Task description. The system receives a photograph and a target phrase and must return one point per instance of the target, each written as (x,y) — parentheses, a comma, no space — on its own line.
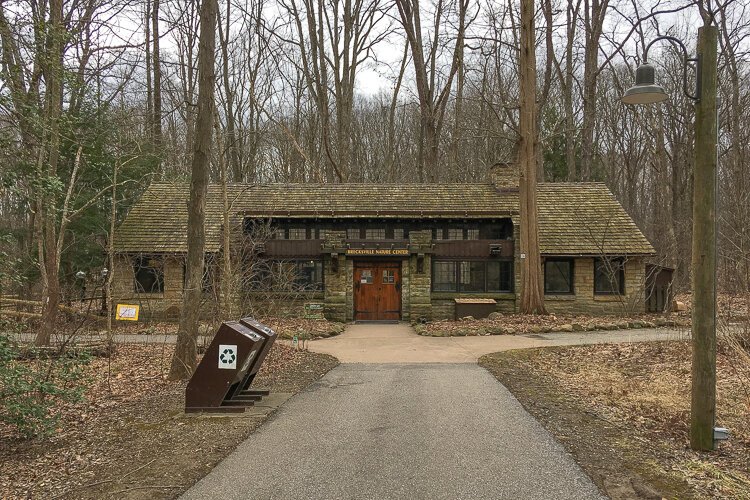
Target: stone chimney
(504,176)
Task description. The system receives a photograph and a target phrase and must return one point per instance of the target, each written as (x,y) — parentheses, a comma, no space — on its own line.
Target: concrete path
(388,343)
(419,431)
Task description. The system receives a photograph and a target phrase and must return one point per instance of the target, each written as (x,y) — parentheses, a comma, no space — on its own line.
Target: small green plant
(32,391)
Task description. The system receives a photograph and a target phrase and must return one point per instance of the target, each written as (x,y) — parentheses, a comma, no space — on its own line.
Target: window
(495,276)
(322,234)
(375,234)
(389,276)
(279,234)
(472,234)
(558,276)
(309,275)
(439,234)
(294,275)
(472,276)
(444,276)
(149,274)
(609,276)
(500,276)
(297,233)
(398,233)
(353,234)
(455,234)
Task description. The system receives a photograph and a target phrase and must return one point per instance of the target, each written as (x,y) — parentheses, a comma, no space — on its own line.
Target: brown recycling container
(221,380)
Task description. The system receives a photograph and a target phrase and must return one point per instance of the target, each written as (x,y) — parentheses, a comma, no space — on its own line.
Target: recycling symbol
(228,356)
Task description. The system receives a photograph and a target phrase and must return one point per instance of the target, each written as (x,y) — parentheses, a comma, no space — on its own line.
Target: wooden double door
(377,291)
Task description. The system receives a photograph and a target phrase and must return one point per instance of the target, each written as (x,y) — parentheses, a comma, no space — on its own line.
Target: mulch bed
(623,412)
(131,439)
(520,324)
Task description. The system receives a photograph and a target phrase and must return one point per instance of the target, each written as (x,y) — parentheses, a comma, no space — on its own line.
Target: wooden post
(703,404)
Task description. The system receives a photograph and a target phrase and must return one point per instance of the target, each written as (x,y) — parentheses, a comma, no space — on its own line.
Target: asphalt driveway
(386,431)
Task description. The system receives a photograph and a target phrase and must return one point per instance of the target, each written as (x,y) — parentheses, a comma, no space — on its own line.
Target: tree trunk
(230,142)
(149,86)
(532,299)
(157,80)
(183,361)
(226,282)
(48,258)
(570,132)
(594,20)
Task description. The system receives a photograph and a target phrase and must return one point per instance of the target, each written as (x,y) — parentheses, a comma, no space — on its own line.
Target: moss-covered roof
(574,218)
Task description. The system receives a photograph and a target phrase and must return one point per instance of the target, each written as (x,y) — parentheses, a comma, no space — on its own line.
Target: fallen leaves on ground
(101,444)
(642,391)
(515,324)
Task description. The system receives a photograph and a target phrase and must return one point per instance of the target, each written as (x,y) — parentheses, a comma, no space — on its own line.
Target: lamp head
(645,90)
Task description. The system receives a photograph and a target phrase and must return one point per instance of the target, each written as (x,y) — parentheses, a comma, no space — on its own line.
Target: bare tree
(184,359)
(432,90)
(532,298)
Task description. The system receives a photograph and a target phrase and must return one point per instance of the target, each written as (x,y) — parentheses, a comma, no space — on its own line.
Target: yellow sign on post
(127,312)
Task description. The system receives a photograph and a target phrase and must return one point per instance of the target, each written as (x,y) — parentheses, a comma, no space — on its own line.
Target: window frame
(455,275)
(512,287)
(294,232)
(318,264)
(381,233)
(451,234)
(458,264)
(572,267)
(159,275)
(620,276)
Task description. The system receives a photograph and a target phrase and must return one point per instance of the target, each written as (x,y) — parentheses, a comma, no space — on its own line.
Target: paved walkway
(384,343)
(416,431)
(408,417)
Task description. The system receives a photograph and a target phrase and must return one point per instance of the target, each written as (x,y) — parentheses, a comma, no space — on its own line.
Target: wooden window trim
(572,263)
(621,273)
(457,273)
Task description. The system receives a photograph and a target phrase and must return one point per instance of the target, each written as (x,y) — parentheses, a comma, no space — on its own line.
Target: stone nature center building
(386,252)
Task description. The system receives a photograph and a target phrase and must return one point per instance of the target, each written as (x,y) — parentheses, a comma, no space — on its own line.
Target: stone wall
(153,305)
(337,299)
(168,305)
(420,304)
(405,287)
(586,302)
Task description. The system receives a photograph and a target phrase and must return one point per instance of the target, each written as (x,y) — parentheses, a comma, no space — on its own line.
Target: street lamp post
(646,91)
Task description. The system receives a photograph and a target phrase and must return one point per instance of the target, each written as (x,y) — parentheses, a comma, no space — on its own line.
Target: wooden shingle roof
(574,218)
(586,219)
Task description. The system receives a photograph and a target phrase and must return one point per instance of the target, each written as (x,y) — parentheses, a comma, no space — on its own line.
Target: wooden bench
(477,308)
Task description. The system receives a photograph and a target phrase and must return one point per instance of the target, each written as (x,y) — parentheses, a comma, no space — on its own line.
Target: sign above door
(377,251)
